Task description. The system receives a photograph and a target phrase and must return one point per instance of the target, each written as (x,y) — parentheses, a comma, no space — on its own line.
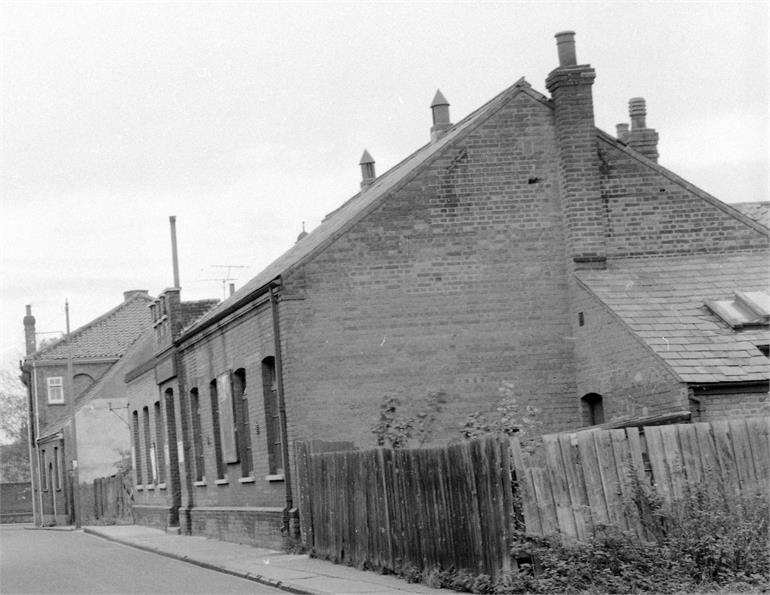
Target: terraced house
(100,352)
(522,248)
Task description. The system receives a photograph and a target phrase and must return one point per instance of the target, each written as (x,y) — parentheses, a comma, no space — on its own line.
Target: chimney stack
(622,132)
(642,139)
(174,257)
(29,331)
(367,170)
(441,123)
(579,167)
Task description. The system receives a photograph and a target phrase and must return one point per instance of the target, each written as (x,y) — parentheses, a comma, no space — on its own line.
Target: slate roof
(193,310)
(107,336)
(759,211)
(662,301)
(368,199)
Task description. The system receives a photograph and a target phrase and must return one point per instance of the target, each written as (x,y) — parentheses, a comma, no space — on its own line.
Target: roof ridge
(78,332)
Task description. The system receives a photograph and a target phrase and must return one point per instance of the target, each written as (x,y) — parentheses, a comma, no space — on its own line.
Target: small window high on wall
(593,409)
(272,416)
(55,389)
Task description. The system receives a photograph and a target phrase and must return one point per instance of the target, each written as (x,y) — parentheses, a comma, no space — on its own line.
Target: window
(593,409)
(160,442)
(149,459)
(137,447)
(229,438)
(749,309)
(215,428)
(170,447)
(241,402)
(55,389)
(57,479)
(195,405)
(272,416)
(44,474)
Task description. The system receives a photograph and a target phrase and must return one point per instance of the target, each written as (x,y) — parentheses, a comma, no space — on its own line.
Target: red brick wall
(242,344)
(650,214)
(613,363)
(457,282)
(714,407)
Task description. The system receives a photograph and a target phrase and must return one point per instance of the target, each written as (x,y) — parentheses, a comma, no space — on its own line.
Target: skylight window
(748,309)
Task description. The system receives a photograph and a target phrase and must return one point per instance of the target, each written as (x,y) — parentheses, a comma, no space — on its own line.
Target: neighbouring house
(98,351)
(158,407)
(521,248)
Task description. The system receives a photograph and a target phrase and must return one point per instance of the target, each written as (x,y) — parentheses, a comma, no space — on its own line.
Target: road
(37,561)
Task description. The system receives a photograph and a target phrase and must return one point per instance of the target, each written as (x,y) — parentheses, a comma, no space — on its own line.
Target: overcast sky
(246,119)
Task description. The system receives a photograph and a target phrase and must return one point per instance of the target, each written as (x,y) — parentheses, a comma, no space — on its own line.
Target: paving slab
(290,572)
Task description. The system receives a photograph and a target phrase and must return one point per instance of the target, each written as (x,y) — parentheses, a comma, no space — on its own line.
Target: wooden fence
(579,480)
(389,509)
(107,500)
(455,506)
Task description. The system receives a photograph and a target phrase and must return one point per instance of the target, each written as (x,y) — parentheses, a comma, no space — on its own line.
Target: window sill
(199,484)
(149,486)
(248,479)
(56,403)
(272,478)
(139,487)
(162,486)
(221,482)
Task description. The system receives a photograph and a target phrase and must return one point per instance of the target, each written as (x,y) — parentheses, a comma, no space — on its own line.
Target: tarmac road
(41,561)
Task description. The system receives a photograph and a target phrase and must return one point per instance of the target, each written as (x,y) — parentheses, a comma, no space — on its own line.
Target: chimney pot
(565,45)
(232,288)
(367,169)
(637,109)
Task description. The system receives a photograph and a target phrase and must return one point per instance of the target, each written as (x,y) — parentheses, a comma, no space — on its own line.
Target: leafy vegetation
(14,454)
(396,429)
(703,543)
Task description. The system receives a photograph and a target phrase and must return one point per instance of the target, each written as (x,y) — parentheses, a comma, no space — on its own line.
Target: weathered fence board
(424,507)
(732,456)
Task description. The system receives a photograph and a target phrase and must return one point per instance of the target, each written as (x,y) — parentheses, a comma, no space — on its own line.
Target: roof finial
(303,233)
(441,122)
(367,169)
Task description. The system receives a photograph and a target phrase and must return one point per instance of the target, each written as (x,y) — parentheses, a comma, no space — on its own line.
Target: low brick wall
(152,516)
(16,502)
(252,525)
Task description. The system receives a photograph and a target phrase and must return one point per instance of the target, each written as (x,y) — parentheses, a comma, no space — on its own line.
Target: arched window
(241,404)
(593,410)
(272,416)
(195,405)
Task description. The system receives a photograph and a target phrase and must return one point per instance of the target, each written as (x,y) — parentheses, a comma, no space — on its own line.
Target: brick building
(520,248)
(99,351)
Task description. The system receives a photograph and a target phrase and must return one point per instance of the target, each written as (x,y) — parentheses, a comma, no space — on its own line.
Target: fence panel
(422,507)
(732,456)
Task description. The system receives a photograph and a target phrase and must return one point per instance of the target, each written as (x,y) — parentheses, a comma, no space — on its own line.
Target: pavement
(290,572)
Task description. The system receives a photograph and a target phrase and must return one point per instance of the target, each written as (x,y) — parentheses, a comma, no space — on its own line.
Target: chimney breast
(367,169)
(441,123)
(565,45)
(29,331)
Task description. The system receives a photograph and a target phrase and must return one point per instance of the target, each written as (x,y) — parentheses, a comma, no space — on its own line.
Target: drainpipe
(33,452)
(281,405)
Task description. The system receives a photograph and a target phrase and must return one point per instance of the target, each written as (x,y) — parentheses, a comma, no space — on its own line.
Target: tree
(14,453)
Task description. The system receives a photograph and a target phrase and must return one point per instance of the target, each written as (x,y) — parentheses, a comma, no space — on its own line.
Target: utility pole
(74,432)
